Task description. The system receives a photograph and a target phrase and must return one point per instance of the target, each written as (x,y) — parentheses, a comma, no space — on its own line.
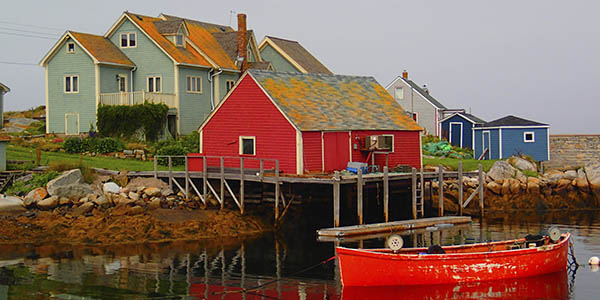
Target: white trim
(299,153)
(450,132)
(416,114)
(548,142)
(188,85)
(201,141)
(97,80)
(322,151)
(241,148)
(473,139)
(296,65)
(521,126)
(60,42)
(350,145)
(420,150)
(67,122)
(71,76)
(460,114)
(396,93)
(128,39)
(68,45)
(123,77)
(500,143)
(525,140)
(47,100)
(229,87)
(178,113)
(394,140)
(212,63)
(489,143)
(412,90)
(154,83)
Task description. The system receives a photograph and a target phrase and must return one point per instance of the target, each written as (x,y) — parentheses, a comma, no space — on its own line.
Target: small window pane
(399,93)
(67,84)
(157,82)
(70,47)
(124,40)
(132,40)
(198,84)
(179,40)
(189,84)
(151,84)
(248,146)
(75,84)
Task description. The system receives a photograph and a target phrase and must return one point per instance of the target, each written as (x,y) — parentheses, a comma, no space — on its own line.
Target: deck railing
(139,97)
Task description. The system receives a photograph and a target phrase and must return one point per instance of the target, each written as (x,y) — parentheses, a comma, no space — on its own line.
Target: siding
(312,146)
(1,109)
(407,149)
(3,153)
(83,102)
(279,63)
(223,77)
(494,143)
(194,107)
(108,80)
(275,136)
(414,102)
(513,144)
(467,132)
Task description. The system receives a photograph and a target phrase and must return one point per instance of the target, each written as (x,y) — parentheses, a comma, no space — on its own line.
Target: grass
(451,163)
(21,153)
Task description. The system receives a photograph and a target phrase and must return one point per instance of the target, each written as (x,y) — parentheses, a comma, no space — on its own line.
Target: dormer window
(70,47)
(179,40)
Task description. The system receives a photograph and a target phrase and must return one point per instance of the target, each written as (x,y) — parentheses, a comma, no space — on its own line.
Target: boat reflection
(550,286)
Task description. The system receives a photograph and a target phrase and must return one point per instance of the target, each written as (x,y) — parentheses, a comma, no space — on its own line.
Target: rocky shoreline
(507,187)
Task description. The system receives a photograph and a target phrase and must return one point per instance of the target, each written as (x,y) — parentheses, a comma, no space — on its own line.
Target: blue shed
(457,129)
(511,135)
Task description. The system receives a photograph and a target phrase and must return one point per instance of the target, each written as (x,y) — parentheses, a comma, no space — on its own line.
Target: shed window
(128,40)
(71,84)
(71,48)
(399,93)
(529,137)
(247,145)
(154,84)
(194,84)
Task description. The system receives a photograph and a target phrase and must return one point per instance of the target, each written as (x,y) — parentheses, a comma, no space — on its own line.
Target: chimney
(242,42)
(425,89)
(405,74)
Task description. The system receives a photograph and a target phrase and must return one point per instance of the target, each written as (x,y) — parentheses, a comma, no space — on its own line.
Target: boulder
(521,177)
(10,204)
(581,181)
(64,201)
(134,196)
(570,174)
(533,185)
(70,185)
(554,176)
(505,187)
(152,191)
(562,185)
(48,203)
(136,210)
(593,176)
(501,170)
(522,164)
(492,186)
(83,209)
(111,187)
(166,192)
(515,186)
(35,196)
(102,201)
(24,178)
(155,203)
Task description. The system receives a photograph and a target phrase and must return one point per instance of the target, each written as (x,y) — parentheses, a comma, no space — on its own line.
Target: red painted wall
(407,150)
(249,112)
(311,143)
(336,150)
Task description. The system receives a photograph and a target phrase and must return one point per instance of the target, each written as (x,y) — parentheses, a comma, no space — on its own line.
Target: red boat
(464,263)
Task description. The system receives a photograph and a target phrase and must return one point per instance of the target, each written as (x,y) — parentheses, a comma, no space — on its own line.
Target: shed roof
(511,120)
(300,55)
(472,118)
(316,102)
(101,48)
(4,88)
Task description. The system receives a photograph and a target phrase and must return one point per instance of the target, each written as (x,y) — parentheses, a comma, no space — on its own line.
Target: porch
(138,97)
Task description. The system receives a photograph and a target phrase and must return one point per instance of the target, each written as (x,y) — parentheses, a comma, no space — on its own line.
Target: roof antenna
(231,13)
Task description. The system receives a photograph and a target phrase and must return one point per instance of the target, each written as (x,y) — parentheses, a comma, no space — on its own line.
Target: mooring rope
(573,261)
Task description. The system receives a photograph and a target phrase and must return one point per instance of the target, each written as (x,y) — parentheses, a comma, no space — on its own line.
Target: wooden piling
(386,194)
(460,188)
(276,190)
(441,191)
(155,167)
(422,192)
(222,164)
(205,180)
(242,185)
(481,189)
(359,196)
(414,193)
(170,173)
(187,179)
(336,199)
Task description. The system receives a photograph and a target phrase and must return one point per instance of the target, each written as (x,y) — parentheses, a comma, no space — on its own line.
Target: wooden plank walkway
(391,226)
(358,238)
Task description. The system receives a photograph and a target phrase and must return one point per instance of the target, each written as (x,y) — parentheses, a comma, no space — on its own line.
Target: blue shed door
(456,134)
(485,140)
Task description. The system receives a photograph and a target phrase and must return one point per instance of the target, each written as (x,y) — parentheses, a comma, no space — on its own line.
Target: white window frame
(525,140)
(393,140)
(230,84)
(122,80)
(177,36)
(128,39)
(241,142)
(416,116)
(190,80)
(450,132)
(69,44)
(396,93)
(489,139)
(70,78)
(154,84)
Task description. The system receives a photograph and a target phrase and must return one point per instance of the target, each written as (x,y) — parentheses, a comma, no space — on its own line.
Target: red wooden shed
(311,123)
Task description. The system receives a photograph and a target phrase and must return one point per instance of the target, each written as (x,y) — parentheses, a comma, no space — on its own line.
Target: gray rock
(111,187)
(593,175)
(155,203)
(83,209)
(128,152)
(35,196)
(64,201)
(522,164)
(102,201)
(10,203)
(570,174)
(13,129)
(134,196)
(84,200)
(502,170)
(24,178)
(48,203)
(21,121)
(166,192)
(70,185)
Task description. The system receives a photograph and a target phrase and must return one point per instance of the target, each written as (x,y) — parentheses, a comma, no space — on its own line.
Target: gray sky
(534,59)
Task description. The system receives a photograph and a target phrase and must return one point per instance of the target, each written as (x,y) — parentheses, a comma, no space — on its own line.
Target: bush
(38,180)
(74,145)
(135,146)
(108,145)
(49,147)
(126,121)
(171,150)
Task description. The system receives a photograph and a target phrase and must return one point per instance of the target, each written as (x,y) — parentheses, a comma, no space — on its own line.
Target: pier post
(414,192)
(386,194)
(359,196)
(336,199)
(170,173)
(441,191)
(460,188)
(481,189)
(422,193)
(242,185)
(205,180)
(276,190)
(155,167)
(187,178)
(261,172)
(222,164)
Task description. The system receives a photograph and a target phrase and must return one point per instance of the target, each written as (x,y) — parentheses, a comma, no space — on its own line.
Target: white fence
(131,98)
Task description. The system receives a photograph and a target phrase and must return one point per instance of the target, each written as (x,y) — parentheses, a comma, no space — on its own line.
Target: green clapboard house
(186,64)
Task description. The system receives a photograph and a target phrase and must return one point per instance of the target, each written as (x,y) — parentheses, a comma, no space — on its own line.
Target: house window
(70,47)
(179,40)
(230,84)
(154,84)
(529,137)
(247,145)
(122,83)
(128,40)
(399,93)
(194,84)
(415,116)
(388,142)
(71,84)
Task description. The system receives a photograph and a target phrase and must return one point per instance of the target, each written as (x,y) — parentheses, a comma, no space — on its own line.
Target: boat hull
(469,263)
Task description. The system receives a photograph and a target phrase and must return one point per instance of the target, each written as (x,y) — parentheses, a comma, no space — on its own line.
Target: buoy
(594,261)
(395,242)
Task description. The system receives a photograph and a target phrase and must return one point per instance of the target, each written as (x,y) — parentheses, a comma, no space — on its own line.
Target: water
(218,269)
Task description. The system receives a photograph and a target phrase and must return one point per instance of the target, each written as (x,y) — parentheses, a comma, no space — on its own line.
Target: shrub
(74,145)
(36,128)
(108,145)
(38,180)
(172,150)
(125,121)
(135,146)
(19,141)
(191,143)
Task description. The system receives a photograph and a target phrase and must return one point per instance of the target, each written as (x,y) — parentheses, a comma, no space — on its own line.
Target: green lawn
(21,153)
(468,164)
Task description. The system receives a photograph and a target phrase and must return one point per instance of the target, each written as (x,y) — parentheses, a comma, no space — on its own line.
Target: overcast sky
(533,59)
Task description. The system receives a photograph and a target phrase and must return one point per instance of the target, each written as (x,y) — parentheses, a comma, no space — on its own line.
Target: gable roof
(4,88)
(100,49)
(296,55)
(469,117)
(511,120)
(315,102)
(260,65)
(420,91)
(168,27)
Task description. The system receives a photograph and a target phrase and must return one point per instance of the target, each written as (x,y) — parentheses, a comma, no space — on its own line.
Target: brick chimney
(242,42)
(405,74)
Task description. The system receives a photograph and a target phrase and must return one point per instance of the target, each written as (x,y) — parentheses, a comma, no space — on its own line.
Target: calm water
(218,269)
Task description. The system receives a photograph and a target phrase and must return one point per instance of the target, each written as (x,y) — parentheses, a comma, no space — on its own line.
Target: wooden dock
(391,226)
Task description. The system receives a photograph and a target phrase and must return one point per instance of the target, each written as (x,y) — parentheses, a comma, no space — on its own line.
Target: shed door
(336,147)
(456,134)
(71,123)
(485,140)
